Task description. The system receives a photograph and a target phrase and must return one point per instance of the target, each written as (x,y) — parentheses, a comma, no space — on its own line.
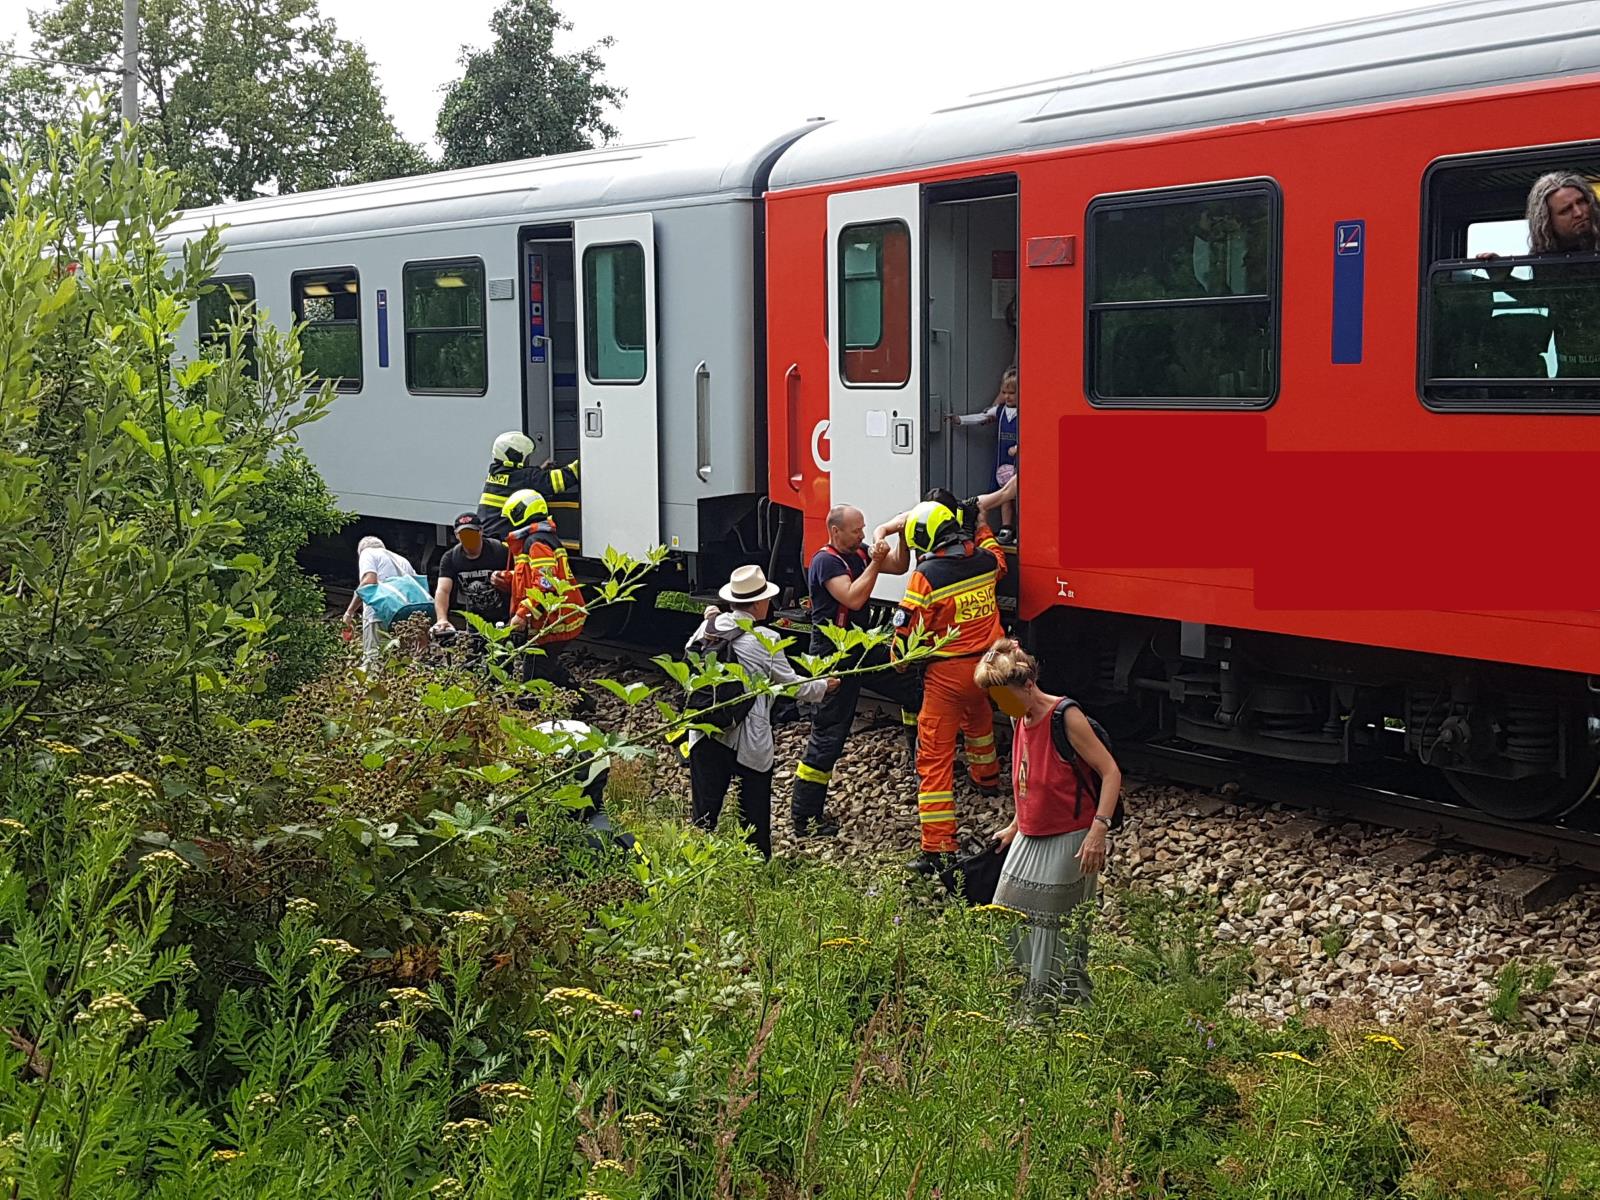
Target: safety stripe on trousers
(907,717)
(979,759)
(811,774)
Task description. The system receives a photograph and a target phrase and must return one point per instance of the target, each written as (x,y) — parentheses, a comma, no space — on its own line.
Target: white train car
(608,303)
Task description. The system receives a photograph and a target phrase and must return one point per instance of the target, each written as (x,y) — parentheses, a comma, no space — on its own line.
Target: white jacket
(751,738)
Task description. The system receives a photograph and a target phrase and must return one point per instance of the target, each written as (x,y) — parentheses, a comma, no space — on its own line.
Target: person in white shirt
(744,750)
(374,563)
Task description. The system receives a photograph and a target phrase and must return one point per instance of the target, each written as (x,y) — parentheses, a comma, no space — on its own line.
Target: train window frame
(344,383)
(1433,233)
(206,338)
(481,329)
(836,254)
(1264,185)
(588,327)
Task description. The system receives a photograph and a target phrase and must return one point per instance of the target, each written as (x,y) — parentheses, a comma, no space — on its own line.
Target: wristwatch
(1106,821)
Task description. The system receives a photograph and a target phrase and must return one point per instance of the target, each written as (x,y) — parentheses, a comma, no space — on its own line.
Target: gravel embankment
(1330,924)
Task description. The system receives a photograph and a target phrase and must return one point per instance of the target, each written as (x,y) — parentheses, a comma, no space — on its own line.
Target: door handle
(791,393)
(900,435)
(702,421)
(592,422)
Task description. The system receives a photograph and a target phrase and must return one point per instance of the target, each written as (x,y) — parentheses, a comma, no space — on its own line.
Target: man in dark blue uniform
(840,579)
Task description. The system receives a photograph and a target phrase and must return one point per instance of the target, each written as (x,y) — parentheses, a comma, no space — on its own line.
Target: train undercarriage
(1515,742)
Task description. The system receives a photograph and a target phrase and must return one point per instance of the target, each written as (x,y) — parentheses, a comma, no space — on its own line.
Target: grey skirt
(1041,880)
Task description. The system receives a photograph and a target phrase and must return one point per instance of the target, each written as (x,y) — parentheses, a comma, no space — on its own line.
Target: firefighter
(840,578)
(951,594)
(511,471)
(547,607)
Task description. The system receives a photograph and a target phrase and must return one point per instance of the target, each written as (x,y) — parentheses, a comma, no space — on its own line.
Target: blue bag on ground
(395,599)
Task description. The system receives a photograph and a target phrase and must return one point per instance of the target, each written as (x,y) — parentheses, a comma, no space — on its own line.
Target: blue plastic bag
(395,599)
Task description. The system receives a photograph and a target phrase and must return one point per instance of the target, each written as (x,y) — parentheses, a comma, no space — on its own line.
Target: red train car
(1300,475)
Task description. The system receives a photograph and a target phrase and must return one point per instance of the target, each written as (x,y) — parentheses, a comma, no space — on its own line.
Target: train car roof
(590,182)
(1449,47)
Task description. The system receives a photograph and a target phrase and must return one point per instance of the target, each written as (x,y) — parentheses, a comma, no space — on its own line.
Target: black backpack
(730,700)
(1088,777)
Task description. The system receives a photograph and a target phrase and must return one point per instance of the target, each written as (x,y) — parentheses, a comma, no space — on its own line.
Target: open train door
(618,446)
(874,331)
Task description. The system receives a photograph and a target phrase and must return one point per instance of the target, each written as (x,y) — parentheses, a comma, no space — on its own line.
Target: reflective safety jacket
(542,587)
(953,589)
(503,481)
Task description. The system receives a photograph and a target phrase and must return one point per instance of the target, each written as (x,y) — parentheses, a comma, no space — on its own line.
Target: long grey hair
(1541,235)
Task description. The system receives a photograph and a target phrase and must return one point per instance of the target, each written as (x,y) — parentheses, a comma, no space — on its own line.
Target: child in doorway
(1003,412)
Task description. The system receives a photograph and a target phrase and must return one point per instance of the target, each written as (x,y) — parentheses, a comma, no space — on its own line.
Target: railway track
(1392,802)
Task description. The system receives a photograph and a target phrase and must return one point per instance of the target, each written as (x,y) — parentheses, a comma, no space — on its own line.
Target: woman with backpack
(744,748)
(1066,786)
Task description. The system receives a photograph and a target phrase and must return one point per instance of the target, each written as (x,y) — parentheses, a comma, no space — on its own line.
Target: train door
(619,437)
(550,364)
(972,290)
(875,332)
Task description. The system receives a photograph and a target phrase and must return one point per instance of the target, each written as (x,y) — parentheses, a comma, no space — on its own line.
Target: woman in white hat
(745,749)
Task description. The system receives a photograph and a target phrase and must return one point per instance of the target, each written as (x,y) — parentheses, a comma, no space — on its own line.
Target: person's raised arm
(852,595)
(441,602)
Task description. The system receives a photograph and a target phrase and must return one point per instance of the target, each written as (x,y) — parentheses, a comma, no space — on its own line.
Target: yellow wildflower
(504,1091)
(593,1195)
(568,1000)
(226,1156)
(263,1100)
(163,859)
(59,747)
(410,997)
(111,1008)
(836,943)
(1383,1039)
(301,907)
(333,946)
(465,1129)
(471,917)
(12,825)
(642,1124)
(447,1188)
(392,1025)
(610,1164)
(1289,1056)
(543,1036)
(1082,1037)
(1000,908)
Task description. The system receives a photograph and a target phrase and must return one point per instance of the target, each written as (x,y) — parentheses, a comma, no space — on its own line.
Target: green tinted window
(1183,298)
(224,301)
(1528,332)
(875,303)
(327,304)
(445,330)
(614,322)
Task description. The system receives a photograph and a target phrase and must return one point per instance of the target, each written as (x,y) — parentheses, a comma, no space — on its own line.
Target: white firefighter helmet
(513,448)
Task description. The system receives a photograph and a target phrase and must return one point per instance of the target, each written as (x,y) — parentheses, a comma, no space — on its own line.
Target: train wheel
(1535,798)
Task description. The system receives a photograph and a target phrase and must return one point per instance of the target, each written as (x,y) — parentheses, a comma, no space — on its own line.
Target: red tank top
(1046,789)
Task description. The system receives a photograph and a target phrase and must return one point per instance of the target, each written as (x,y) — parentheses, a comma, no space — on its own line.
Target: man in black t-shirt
(840,579)
(466,576)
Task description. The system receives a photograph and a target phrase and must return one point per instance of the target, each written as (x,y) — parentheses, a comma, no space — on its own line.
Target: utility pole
(130,60)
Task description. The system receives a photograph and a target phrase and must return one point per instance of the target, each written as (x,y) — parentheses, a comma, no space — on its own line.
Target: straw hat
(747,585)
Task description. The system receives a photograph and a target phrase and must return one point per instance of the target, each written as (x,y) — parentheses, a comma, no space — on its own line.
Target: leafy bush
(130,482)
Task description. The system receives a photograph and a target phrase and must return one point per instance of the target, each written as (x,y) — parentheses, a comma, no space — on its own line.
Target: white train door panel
(875,294)
(618,433)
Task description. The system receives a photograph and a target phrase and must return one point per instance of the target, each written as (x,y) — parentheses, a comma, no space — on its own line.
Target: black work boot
(816,827)
(932,863)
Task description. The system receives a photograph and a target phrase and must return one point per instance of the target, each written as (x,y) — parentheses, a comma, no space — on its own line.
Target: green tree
(132,577)
(520,99)
(243,96)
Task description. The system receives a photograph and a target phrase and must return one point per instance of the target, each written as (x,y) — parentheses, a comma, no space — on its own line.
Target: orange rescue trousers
(951,702)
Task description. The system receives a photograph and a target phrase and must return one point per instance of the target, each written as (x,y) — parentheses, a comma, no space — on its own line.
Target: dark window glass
(614,313)
(327,304)
(1519,333)
(224,301)
(875,303)
(446,333)
(1182,305)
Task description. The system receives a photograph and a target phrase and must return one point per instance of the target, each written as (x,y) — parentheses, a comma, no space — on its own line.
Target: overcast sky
(754,65)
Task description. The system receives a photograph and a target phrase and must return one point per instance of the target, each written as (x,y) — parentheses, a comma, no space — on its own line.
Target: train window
(222,303)
(1182,303)
(1511,319)
(614,313)
(875,303)
(446,333)
(328,304)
